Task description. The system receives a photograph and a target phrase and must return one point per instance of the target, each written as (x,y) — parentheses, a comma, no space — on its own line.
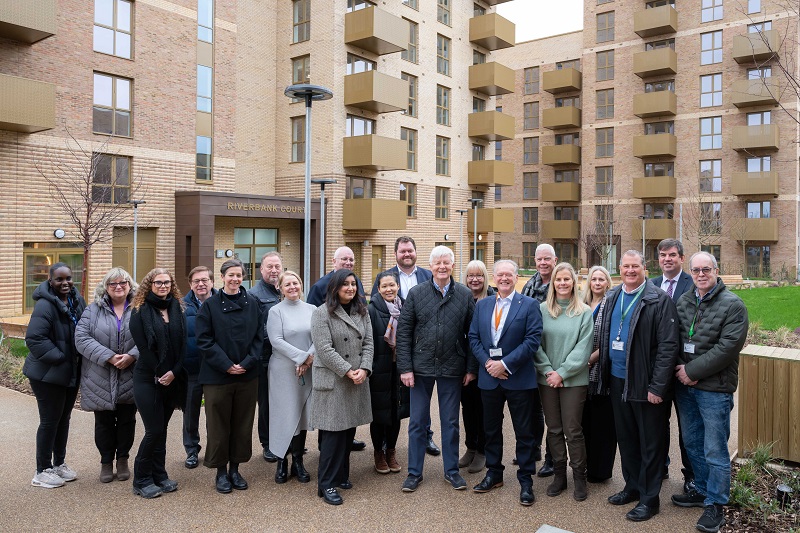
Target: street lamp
(322,183)
(309,93)
(136,204)
(643,235)
(461,212)
(475,203)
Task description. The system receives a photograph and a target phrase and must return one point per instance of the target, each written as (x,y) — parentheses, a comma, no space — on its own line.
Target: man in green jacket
(713,324)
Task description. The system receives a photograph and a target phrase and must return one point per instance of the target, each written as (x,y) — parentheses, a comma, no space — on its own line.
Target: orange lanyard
(498,313)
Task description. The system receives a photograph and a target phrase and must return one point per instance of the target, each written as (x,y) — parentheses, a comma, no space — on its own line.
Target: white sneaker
(65,472)
(47,479)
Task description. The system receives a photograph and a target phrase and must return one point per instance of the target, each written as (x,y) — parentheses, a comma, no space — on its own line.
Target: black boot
(298,469)
(282,474)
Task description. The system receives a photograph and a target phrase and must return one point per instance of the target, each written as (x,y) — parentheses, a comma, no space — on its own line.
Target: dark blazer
(316,296)
(684,285)
(191,363)
(520,338)
(422,275)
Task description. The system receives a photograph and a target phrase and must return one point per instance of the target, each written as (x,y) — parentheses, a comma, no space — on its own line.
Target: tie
(670,287)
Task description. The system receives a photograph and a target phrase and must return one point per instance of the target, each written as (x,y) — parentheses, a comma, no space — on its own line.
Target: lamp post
(136,204)
(309,93)
(643,237)
(322,183)
(461,212)
(475,203)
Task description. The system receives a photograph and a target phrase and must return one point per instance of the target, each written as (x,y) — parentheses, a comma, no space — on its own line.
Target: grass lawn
(773,307)
(17,347)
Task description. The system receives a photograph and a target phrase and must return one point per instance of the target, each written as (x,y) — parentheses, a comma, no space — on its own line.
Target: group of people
(601,369)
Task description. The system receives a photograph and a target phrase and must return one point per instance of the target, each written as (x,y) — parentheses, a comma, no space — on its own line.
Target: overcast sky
(541,18)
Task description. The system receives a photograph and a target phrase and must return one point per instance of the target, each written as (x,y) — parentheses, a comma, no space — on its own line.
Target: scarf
(596,385)
(391,330)
(154,330)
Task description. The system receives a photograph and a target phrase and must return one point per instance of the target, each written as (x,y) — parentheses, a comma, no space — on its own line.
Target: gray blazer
(343,343)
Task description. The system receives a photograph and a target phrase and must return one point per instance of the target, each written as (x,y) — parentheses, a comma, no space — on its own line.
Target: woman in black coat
(53,368)
(390,398)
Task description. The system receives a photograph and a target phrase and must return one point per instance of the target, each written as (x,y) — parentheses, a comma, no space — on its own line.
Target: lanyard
(498,313)
(694,319)
(626,310)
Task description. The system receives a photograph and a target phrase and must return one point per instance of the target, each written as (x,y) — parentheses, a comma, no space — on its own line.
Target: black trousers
(334,457)
(520,405)
(642,435)
(55,404)
(155,409)
(384,435)
(114,432)
(263,405)
(600,436)
(687,470)
(537,422)
(191,415)
(298,444)
(472,413)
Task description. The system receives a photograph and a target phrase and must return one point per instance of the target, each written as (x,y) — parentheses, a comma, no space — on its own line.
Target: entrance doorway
(249,245)
(378,262)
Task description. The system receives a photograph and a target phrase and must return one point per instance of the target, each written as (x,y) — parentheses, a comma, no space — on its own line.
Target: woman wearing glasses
(104,339)
(158,326)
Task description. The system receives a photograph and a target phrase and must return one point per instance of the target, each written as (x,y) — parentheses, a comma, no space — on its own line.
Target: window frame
(715,134)
(114,108)
(604,181)
(604,142)
(410,136)
(530,150)
(442,156)
(408,194)
(443,49)
(712,97)
(443,95)
(411,53)
(367,186)
(711,47)
(530,120)
(531,84)
(530,185)
(115,29)
(111,185)
(605,70)
(298,152)
(443,12)
(604,104)
(198,168)
(712,180)
(412,80)
(711,10)
(442,203)
(530,220)
(301,27)
(605,27)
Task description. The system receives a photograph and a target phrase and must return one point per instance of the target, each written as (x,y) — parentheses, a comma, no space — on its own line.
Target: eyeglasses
(204,281)
(477,276)
(704,270)
(116,284)
(159,283)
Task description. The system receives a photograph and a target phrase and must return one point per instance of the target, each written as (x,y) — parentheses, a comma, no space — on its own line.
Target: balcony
(562,154)
(755,229)
(561,192)
(376,30)
(756,47)
(657,21)
(655,229)
(26,106)
(655,62)
(492,31)
(660,145)
(761,91)
(655,104)
(491,220)
(491,78)
(374,214)
(560,229)
(491,126)
(562,81)
(376,92)
(754,183)
(495,2)
(556,118)
(27,21)
(375,153)
(655,187)
(764,137)
(490,173)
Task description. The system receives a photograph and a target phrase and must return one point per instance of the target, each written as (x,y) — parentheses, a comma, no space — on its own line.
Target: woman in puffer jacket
(109,353)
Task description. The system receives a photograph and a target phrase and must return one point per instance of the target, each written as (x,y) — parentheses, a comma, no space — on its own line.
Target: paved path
(374,504)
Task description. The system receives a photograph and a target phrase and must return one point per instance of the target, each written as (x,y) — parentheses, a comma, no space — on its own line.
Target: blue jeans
(449,394)
(706,423)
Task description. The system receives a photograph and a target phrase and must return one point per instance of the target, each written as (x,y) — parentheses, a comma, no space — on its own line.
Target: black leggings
(55,409)
(298,444)
(155,409)
(114,432)
(384,434)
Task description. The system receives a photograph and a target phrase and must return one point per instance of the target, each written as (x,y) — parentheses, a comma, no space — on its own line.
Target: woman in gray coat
(104,340)
(340,401)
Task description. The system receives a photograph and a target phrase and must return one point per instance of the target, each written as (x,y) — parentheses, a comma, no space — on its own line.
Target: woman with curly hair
(158,326)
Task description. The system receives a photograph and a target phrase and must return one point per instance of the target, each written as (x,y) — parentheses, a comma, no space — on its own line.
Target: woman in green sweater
(563,375)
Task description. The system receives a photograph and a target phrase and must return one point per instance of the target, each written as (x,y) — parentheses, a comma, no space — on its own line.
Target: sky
(540,18)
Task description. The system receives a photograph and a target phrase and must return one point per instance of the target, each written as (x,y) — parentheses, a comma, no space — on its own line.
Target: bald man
(343,257)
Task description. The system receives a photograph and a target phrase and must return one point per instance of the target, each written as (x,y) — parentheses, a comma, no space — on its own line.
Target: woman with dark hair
(340,401)
(230,337)
(390,398)
(53,368)
(158,327)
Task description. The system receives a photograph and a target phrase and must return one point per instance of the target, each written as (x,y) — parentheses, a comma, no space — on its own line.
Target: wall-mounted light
(447,236)
(59,233)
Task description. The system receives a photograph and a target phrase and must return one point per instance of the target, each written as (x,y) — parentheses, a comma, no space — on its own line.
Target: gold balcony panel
(491,220)
(755,229)
(26,106)
(376,30)
(491,126)
(27,21)
(563,154)
(764,137)
(375,152)
(561,192)
(655,62)
(761,91)
(492,31)
(490,173)
(373,214)
(657,21)
(655,104)
(755,47)
(560,229)
(660,145)
(555,118)
(491,78)
(562,81)
(754,183)
(655,187)
(495,2)
(656,229)
(376,92)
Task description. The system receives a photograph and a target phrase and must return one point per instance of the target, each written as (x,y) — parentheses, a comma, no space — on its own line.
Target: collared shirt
(407,281)
(665,282)
(442,291)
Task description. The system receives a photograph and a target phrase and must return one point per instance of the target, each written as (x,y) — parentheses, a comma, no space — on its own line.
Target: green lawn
(16,347)
(773,307)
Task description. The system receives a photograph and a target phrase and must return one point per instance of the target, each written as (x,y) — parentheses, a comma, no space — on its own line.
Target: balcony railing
(556,118)
(490,173)
(560,229)
(27,21)
(761,91)
(754,183)
(373,214)
(657,62)
(376,30)
(563,154)
(561,192)
(375,153)
(376,92)
(491,126)
(764,137)
(660,103)
(756,47)
(562,81)
(659,145)
(656,21)
(491,78)
(492,31)
(26,106)
(491,220)
(655,187)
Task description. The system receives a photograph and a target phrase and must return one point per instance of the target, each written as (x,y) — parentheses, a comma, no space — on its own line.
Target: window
(710,133)
(759,164)
(657,128)
(497,250)
(498,150)
(754,6)
(605,27)
(605,142)
(653,170)
(711,175)
(112,27)
(758,209)
(604,181)
(656,45)
(498,194)
(758,261)
(442,55)
(356,126)
(713,249)
(205,20)
(442,156)
(658,86)
(301,72)
(658,211)
(249,245)
(111,179)
(605,65)
(442,203)
(413,42)
(605,104)
(531,113)
(412,94)
(568,176)
(40,256)
(567,252)
(478,105)
(355,5)
(301,20)
(567,138)
(759,73)
(762,118)
(566,213)
(572,63)
(478,152)
(411,3)
(711,10)
(659,3)
(410,136)
(528,254)
(710,223)
(604,218)
(532,80)
(111,114)
(530,185)
(530,150)
(443,11)
(478,10)
(478,58)
(568,101)
(711,90)
(360,188)
(408,194)
(711,47)
(298,139)
(356,64)
(205,83)
(203,159)
(759,27)
(442,105)
(530,220)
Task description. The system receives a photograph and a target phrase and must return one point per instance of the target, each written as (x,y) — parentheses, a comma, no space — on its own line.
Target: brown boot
(579,478)
(391,460)
(123,472)
(559,483)
(380,462)
(106,472)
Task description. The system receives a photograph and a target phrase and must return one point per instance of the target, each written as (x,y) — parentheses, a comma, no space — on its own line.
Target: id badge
(688,347)
(618,345)
(495,353)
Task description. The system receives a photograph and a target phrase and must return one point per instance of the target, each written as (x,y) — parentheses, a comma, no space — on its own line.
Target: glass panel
(102,169)
(103,40)
(205,13)
(122,123)
(123,94)
(101,195)
(204,81)
(123,15)
(205,34)
(244,255)
(121,195)
(242,236)
(266,236)
(102,90)
(203,173)
(104,12)
(123,45)
(102,120)
(123,172)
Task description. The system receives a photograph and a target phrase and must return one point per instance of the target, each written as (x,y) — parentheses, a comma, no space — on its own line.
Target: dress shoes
(431,448)
(331,496)
(526,496)
(547,469)
(411,483)
(191,460)
(623,497)
(488,483)
(282,472)
(237,481)
(346,485)
(642,512)
(269,456)
(456,481)
(358,445)
(299,469)
(223,484)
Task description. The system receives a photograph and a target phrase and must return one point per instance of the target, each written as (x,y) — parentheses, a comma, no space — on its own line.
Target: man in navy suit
(343,257)
(406,269)
(504,335)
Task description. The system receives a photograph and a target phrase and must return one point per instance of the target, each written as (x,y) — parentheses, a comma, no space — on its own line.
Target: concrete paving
(374,504)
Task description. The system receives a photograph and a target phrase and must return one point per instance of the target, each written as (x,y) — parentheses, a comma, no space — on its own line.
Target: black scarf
(154,330)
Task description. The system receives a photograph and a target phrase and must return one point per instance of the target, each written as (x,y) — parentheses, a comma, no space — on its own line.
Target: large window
(111,114)
(568,101)
(112,27)
(658,86)
(711,90)
(413,42)
(567,252)
(478,105)
(754,6)
(532,80)
(711,47)
(442,203)
(657,128)
(442,156)
(568,138)
(301,20)
(249,246)
(530,185)
(301,72)
(298,139)
(478,152)
(758,261)
(605,104)
(566,213)
(355,5)
(411,3)
(760,118)
(530,150)
(572,63)
(40,256)
(531,113)
(604,181)
(711,175)
(412,94)
(758,209)
(205,20)
(759,73)
(529,254)
(656,45)
(443,11)
(478,58)
(410,136)
(111,179)
(442,105)
(356,64)
(605,65)
(530,220)
(356,126)
(360,188)
(658,211)
(759,164)
(654,170)
(572,175)
(710,221)
(605,142)
(408,194)
(710,133)
(605,27)
(498,150)
(203,159)
(442,55)
(603,219)
(205,88)
(710,10)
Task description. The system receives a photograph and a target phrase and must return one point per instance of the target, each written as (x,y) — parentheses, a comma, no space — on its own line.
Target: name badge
(688,347)
(618,345)
(495,353)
